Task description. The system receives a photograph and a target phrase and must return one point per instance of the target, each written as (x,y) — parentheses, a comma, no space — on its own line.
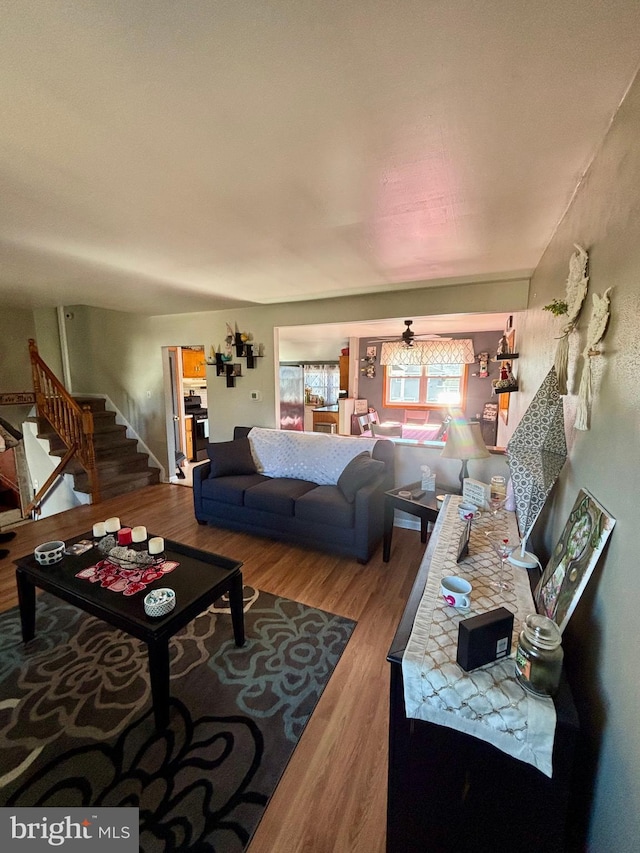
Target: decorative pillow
(229,458)
(360,471)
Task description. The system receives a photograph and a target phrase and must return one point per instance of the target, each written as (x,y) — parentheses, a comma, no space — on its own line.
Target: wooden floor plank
(332,796)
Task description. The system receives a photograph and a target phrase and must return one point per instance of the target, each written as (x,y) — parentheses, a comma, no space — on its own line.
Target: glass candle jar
(539,655)
(498,488)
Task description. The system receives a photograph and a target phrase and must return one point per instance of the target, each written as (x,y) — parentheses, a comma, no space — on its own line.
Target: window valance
(441,351)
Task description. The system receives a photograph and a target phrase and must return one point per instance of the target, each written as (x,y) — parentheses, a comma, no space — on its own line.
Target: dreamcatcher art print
(576,290)
(573,560)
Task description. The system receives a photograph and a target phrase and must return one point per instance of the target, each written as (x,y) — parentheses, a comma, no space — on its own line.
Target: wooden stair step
(112,464)
(96,404)
(124,483)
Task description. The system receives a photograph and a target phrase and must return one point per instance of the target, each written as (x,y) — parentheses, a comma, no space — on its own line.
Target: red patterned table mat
(126,581)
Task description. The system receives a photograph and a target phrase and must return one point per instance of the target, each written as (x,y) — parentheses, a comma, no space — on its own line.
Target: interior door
(177,431)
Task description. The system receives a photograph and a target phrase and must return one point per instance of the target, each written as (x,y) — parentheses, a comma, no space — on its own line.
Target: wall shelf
(232,370)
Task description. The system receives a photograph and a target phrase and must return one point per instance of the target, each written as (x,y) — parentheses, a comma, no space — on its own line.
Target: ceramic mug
(456,592)
(467,511)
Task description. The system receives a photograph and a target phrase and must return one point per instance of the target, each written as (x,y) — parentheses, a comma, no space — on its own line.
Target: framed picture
(360,407)
(573,560)
(509,343)
(463,542)
(372,352)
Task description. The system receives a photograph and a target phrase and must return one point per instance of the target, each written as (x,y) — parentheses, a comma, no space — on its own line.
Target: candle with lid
(156,545)
(112,525)
(99,529)
(138,534)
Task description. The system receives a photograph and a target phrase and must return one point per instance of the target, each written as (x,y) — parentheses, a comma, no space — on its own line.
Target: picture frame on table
(573,560)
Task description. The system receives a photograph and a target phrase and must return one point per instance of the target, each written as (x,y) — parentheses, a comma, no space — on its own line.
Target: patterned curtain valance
(428,352)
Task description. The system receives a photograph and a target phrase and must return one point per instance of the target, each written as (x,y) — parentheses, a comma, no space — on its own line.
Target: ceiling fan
(408,336)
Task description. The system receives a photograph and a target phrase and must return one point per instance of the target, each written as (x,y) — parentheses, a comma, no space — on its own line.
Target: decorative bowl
(49,552)
(159,602)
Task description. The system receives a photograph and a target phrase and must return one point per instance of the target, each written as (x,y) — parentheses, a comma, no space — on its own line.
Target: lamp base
(524,560)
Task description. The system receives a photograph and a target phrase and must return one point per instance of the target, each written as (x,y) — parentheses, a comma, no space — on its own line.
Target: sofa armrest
(200,473)
(369,520)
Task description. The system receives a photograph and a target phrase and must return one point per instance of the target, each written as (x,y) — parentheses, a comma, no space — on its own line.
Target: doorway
(186,407)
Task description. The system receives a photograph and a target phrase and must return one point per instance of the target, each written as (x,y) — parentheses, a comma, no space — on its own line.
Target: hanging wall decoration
(243,345)
(595,333)
(577,283)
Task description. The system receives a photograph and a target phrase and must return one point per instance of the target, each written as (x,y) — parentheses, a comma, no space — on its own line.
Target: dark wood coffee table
(199,580)
(425,507)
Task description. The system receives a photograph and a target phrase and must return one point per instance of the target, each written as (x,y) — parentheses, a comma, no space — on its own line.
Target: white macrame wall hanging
(577,283)
(595,333)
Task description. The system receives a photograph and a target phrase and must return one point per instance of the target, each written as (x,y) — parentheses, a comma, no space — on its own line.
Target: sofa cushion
(361,470)
(230,490)
(229,458)
(325,505)
(277,496)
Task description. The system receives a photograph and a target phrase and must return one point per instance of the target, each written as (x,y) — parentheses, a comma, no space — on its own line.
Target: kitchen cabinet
(344,372)
(325,419)
(193,364)
(189,437)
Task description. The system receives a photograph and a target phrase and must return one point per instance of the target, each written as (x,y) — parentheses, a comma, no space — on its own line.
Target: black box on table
(484,638)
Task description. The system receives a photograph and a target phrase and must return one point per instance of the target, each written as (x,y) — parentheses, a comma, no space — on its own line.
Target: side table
(425,507)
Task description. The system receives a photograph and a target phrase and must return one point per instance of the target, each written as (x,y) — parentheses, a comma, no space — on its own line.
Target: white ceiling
(184,156)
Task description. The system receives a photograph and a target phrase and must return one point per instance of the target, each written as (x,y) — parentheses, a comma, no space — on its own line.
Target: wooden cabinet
(189,438)
(344,372)
(325,420)
(193,363)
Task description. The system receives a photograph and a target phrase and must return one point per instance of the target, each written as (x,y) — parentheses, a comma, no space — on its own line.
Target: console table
(452,792)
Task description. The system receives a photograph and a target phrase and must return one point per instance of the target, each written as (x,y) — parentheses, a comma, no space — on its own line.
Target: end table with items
(424,505)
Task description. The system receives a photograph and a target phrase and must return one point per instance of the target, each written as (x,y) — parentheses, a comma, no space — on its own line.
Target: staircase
(121,468)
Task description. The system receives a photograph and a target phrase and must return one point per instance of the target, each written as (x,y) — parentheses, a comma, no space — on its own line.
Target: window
(429,385)
(323,380)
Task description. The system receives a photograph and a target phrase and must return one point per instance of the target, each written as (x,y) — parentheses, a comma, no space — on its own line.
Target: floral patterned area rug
(77,726)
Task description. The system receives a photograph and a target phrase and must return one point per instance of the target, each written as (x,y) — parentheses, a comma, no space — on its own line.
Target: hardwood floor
(332,796)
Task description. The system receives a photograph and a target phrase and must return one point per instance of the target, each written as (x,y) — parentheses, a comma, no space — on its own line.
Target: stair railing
(73,424)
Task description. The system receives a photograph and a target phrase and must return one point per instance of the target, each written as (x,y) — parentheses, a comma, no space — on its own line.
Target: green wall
(16,327)
(600,641)
(121,354)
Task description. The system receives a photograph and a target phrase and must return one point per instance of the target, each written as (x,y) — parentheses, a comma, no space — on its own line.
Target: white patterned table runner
(488,702)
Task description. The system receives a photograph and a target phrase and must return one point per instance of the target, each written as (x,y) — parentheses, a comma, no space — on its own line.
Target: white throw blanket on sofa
(314,456)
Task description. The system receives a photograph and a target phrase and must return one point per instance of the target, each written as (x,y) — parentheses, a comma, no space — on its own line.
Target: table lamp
(464,441)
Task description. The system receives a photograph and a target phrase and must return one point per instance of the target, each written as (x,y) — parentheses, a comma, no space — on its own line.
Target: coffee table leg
(27,601)
(424,527)
(237,609)
(159,675)
(389,511)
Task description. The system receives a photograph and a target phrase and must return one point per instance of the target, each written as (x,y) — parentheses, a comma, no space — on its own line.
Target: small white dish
(49,552)
(159,602)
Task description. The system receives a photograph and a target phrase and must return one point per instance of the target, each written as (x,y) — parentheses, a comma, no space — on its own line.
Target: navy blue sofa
(346,518)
